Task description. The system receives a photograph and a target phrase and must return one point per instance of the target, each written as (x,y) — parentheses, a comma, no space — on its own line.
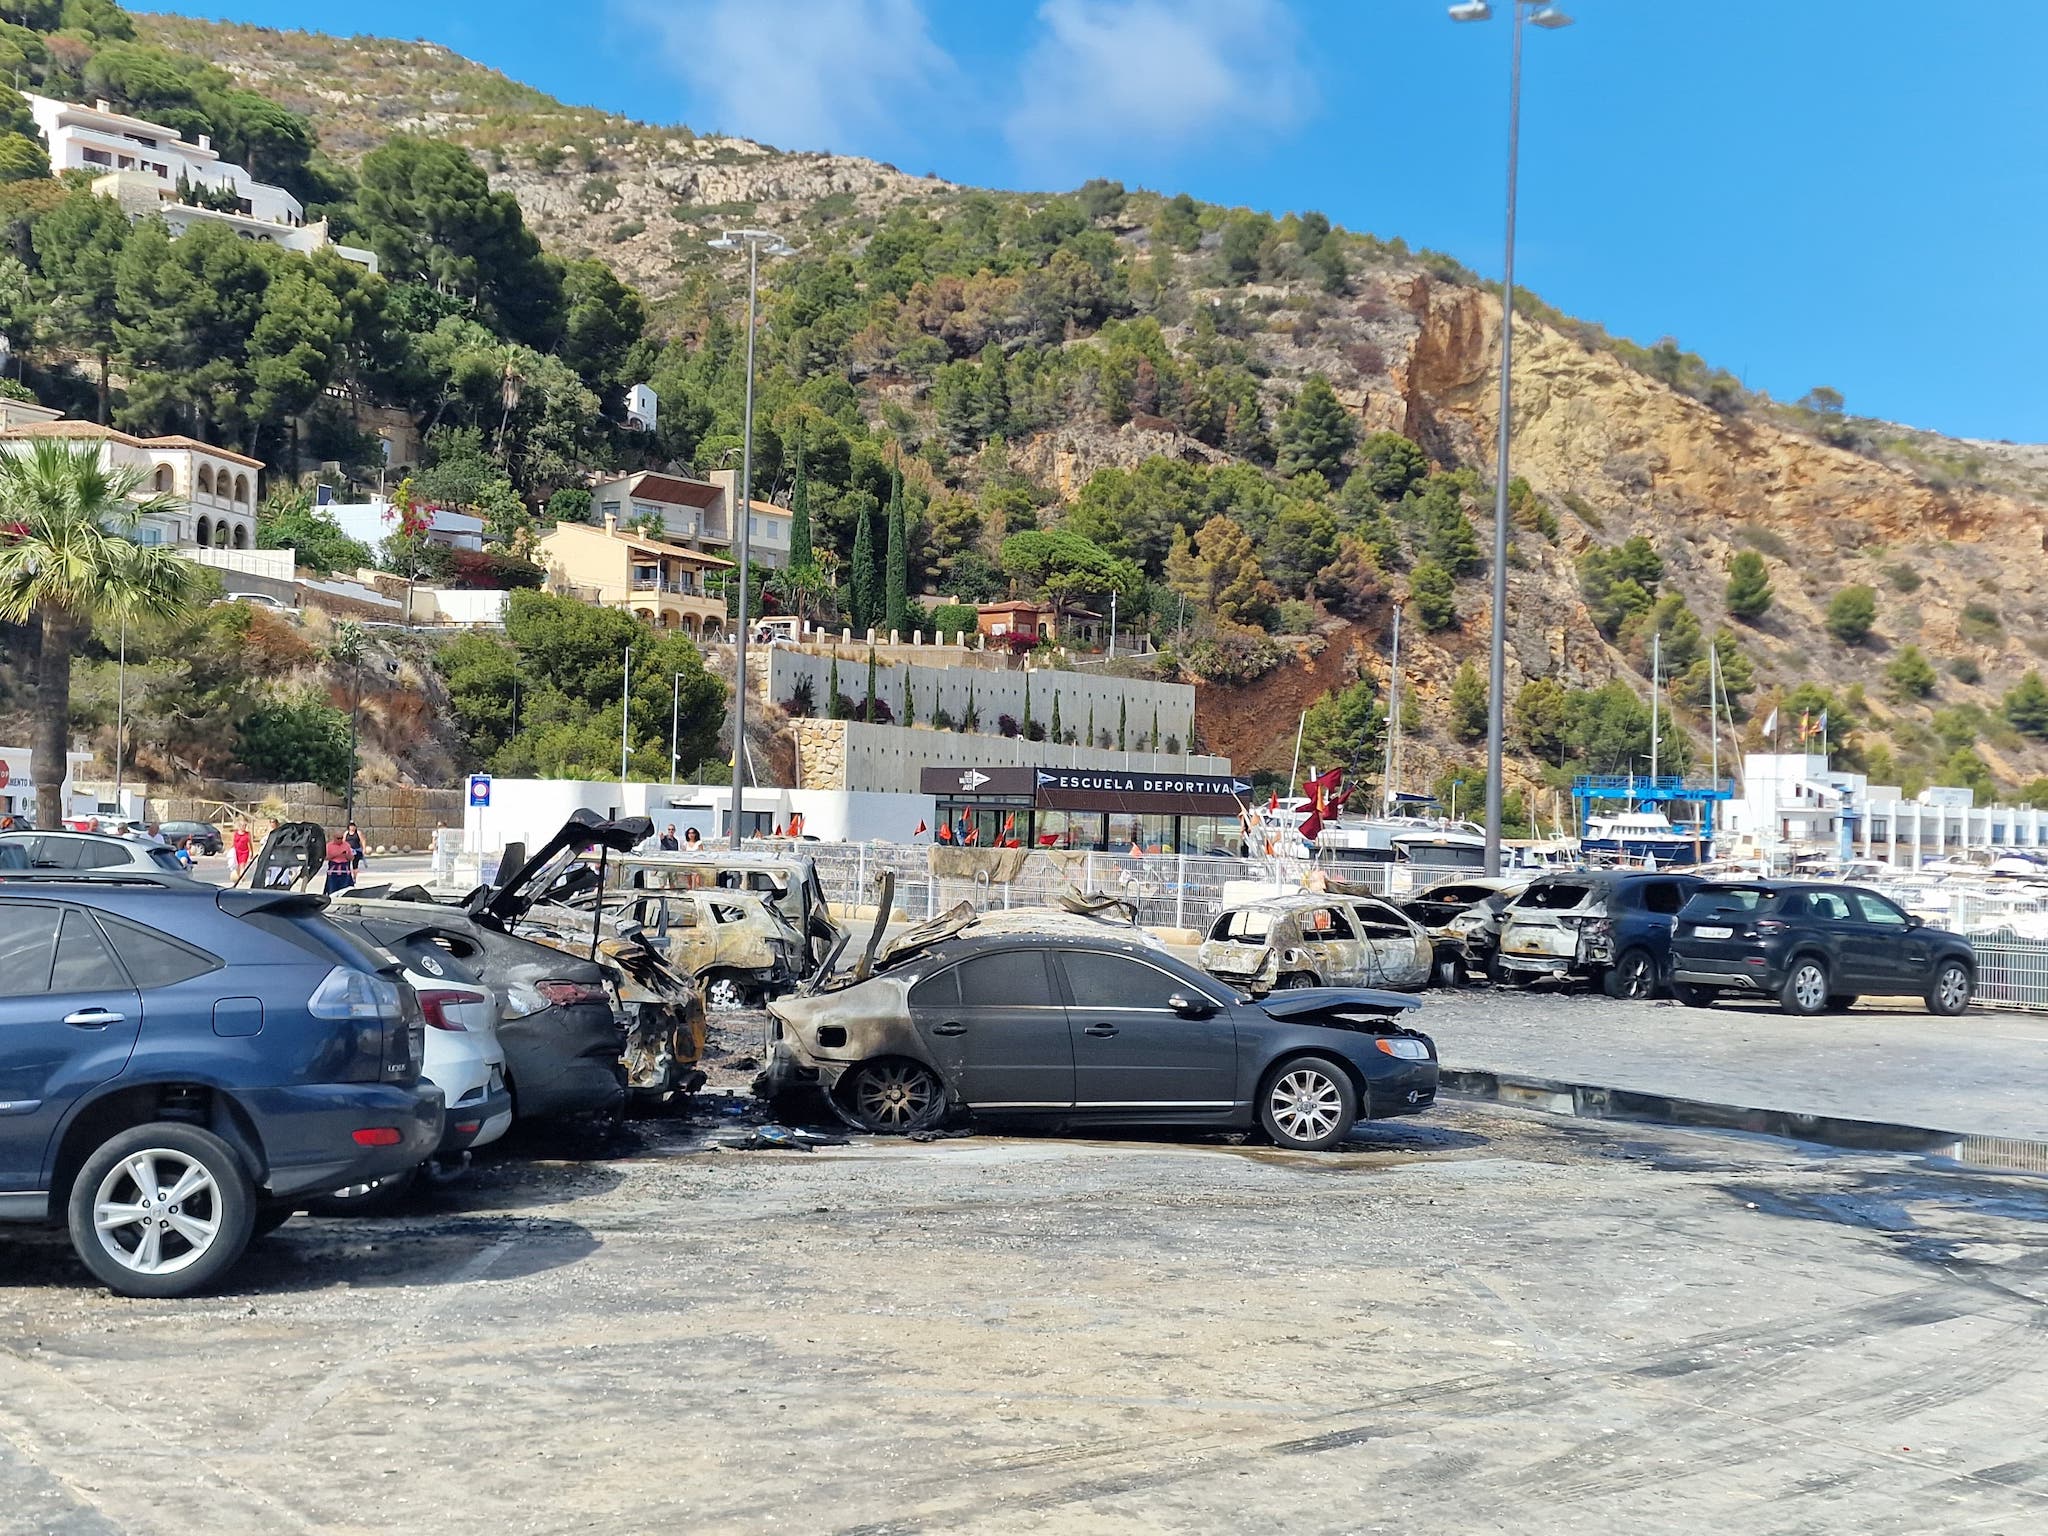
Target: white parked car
(462,1057)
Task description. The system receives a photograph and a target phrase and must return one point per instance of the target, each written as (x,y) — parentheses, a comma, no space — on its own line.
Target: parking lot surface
(1478,1320)
(1983,1073)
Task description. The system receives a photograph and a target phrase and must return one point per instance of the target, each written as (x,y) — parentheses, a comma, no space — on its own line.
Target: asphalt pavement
(1479,1320)
(1983,1074)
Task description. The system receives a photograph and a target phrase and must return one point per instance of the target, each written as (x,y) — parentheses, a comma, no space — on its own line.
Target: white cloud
(798,74)
(1154,76)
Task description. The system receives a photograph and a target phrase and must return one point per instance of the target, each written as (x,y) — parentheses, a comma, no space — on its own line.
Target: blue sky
(1841,192)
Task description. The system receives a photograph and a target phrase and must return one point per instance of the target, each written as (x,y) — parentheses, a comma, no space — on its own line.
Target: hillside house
(216,487)
(696,513)
(148,169)
(657,581)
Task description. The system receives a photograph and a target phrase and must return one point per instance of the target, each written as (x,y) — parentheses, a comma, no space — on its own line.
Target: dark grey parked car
(1084,1030)
(202,833)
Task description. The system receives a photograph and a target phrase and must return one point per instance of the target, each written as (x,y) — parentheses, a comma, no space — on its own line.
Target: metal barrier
(2012,973)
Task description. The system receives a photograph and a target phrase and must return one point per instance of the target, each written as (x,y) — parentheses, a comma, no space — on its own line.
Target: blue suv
(180,1066)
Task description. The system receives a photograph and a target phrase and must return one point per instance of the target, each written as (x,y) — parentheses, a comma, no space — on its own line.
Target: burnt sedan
(1080,1030)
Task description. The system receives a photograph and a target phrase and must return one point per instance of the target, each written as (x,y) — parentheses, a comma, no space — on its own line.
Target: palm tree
(66,562)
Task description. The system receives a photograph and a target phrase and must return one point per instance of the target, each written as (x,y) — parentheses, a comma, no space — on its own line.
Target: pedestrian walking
(354,839)
(240,844)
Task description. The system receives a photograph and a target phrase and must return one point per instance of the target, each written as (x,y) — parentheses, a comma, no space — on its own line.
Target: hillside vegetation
(1264,433)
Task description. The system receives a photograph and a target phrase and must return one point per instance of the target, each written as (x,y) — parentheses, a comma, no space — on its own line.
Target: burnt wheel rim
(157,1211)
(1305,1104)
(1809,987)
(895,1097)
(725,995)
(1954,988)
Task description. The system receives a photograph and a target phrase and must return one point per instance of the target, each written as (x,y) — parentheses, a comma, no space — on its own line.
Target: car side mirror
(1196,1007)
(1914,920)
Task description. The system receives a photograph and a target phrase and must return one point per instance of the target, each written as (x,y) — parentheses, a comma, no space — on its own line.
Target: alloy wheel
(1638,981)
(1810,987)
(156,1212)
(1305,1103)
(724,994)
(895,1096)
(1954,989)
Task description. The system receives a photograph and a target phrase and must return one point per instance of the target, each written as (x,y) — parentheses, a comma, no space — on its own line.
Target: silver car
(94,851)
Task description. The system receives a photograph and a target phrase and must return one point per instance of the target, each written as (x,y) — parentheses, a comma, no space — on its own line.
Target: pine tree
(801,554)
(1434,594)
(896,575)
(1468,704)
(2026,706)
(1749,586)
(1316,432)
(865,607)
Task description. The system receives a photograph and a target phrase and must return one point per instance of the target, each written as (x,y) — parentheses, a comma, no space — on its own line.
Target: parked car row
(1805,945)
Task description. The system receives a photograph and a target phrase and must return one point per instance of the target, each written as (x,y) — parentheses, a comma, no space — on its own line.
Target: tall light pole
(1542,14)
(625,721)
(120,718)
(675,694)
(754,242)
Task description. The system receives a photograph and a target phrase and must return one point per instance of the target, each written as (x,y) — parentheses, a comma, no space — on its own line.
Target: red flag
(1009,823)
(973,831)
(1274,803)
(1311,824)
(945,831)
(796,824)
(920,829)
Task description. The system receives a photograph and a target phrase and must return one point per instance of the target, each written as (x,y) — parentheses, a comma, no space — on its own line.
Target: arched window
(205,530)
(241,536)
(163,477)
(205,481)
(220,534)
(242,489)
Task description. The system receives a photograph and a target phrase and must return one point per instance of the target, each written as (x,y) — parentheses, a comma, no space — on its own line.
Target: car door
(1132,1049)
(997,1031)
(1855,960)
(68,1022)
(1330,938)
(1657,903)
(1903,951)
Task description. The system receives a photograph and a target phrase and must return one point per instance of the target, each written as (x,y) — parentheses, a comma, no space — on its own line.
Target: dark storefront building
(1100,808)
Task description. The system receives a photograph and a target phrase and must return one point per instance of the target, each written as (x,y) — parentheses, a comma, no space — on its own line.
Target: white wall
(533,810)
(995,693)
(457,605)
(888,758)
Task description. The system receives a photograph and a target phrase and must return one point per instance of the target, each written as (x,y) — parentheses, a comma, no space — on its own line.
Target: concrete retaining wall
(847,754)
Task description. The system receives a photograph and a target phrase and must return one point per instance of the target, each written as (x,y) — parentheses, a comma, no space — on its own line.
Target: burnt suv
(1599,924)
(1814,947)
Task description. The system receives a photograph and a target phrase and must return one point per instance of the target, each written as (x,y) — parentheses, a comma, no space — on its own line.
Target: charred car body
(1316,939)
(1463,917)
(1087,1028)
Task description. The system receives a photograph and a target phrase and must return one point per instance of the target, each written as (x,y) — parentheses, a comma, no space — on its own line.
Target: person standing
(668,839)
(240,844)
(341,866)
(354,839)
(693,840)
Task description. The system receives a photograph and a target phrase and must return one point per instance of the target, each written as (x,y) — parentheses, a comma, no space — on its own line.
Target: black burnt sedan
(1091,1031)
(1814,947)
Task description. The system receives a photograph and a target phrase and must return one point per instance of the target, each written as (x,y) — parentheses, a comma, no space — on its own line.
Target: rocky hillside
(1615,441)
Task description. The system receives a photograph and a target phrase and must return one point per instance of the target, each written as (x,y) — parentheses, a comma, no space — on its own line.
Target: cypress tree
(865,607)
(896,573)
(1027,703)
(1123,714)
(868,709)
(1056,715)
(800,551)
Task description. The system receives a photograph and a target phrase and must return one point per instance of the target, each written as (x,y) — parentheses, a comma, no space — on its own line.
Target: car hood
(551,873)
(1302,1005)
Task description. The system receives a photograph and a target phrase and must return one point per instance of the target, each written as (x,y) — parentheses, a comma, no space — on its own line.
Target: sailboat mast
(1393,719)
(1656,667)
(1713,706)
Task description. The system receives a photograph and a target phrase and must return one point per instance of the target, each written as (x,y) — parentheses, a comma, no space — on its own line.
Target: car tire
(1694,997)
(1949,993)
(1295,981)
(727,992)
(195,1240)
(893,1097)
(1633,977)
(1842,1002)
(1805,991)
(379,1197)
(1447,971)
(1308,1104)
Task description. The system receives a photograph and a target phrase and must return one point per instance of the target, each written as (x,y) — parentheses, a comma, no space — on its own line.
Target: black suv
(1814,947)
(181,1066)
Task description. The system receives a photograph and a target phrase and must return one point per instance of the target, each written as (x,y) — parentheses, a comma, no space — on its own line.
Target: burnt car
(1610,926)
(1081,1029)
(788,881)
(1462,918)
(1317,939)
(736,945)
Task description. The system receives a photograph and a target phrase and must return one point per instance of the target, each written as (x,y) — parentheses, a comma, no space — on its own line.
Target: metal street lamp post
(755,242)
(625,722)
(1542,14)
(675,694)
(120,718)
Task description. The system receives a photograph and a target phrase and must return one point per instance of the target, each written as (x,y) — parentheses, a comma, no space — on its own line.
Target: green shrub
(1903,577)
(1911,675)
(1980,622)
(1851,614)
(1965,670)
(1434,595)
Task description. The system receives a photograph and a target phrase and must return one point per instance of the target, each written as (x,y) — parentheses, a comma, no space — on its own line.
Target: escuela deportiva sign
(1092,789)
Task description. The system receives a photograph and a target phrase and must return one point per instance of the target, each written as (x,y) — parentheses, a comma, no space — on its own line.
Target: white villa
(697,514)
(215,486)
(142,166)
